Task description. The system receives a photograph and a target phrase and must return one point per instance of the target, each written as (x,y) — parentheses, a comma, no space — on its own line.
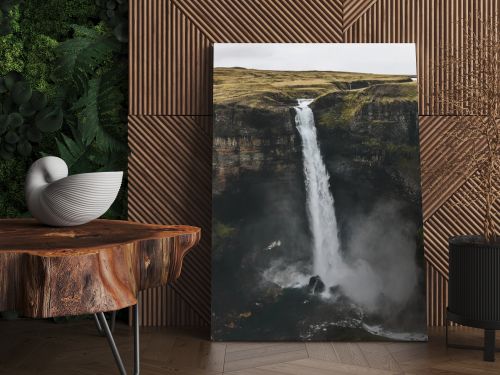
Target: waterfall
(327,260)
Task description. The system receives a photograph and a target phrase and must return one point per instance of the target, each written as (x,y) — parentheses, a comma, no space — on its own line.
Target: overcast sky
(382,58)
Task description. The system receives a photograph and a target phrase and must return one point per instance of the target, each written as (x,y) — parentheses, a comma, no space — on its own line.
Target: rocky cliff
(364,121)
(252,139)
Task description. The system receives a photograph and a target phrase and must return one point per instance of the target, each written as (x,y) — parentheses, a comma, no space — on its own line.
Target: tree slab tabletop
(100,266)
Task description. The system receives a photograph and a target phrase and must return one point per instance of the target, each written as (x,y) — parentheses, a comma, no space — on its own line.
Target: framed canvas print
(317,220)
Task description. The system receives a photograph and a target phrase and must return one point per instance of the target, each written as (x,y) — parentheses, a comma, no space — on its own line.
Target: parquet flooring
(40,347)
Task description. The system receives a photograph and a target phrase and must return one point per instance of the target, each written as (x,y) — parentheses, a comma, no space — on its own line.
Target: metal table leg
(113,324)
(103,325)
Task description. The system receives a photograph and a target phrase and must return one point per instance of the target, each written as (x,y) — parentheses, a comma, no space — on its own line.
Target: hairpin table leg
(102,325)
(113,324)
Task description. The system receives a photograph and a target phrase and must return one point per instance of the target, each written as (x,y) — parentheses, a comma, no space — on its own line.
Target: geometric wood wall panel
(170,162)
(432,25)
(264,21)
(458,215)
(169,62)
(353,10)
(170,107)
(432,150)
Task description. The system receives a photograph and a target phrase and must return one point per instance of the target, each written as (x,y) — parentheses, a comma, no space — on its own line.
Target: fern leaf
(80,56)
(98,114)
(71,152)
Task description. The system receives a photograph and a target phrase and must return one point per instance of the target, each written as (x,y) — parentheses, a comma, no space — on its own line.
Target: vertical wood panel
(170,108)
(170,62)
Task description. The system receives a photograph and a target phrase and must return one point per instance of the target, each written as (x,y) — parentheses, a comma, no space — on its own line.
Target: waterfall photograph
(317,230)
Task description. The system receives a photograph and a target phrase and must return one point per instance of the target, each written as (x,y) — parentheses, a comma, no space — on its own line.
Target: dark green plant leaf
(7,105)
(21,92)
(24,148)
(4,154)
(3,88)
(3,123)
(27,109)
(98,113)
(9,147)
(38,100)
(5,29)
(23,129)
(74,153)
(14,120)
(121,32)
(49,119)
(82,55)
(11,137)
(11,78)
(33,134)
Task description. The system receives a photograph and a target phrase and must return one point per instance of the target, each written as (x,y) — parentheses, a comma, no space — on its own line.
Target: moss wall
(63,91)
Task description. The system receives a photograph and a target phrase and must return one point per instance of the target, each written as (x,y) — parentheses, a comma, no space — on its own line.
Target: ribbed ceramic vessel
(56,199)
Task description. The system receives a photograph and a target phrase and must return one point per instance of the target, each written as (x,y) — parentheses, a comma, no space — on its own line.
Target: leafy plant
(24,116)
(82,55)
(115,13)
(6,7)
(97,128)
(98,113)
(69,97)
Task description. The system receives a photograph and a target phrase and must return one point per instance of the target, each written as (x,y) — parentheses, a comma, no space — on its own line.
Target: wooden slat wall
(170,115)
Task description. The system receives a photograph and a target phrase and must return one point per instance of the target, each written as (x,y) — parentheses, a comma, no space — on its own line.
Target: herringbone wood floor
(42,347)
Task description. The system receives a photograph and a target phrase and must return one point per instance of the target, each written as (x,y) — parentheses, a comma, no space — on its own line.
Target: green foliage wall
(63,91)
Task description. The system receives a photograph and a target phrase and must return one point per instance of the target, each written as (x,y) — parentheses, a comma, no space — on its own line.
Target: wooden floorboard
(41,347)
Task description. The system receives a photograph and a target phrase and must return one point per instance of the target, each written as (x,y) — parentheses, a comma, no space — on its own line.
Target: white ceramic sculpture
(56,199)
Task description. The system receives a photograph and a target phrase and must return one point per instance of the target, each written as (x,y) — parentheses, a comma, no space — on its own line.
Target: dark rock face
(316,286)
(250,139)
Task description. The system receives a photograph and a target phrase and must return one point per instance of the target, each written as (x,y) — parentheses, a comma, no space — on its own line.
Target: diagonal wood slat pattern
(353,10)
(171,163)
(432,154)
(264,21)
(170,108)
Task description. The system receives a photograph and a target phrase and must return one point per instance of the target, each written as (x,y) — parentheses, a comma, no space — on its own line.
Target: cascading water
(327,261)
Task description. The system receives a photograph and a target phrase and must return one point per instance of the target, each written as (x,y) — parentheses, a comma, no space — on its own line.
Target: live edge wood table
(89,269)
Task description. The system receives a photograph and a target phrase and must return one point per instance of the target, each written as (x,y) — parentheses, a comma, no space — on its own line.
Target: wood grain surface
(99,266)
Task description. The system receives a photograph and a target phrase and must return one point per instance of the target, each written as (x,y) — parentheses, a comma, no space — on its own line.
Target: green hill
(269,89)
